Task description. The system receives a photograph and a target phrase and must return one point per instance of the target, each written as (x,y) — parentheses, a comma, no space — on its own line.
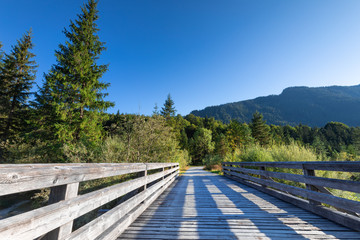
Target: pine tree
(1,55)
(2,83)
(44,117)
(156,110)
(259,130)
(17,77)
(74,81)
(168,110)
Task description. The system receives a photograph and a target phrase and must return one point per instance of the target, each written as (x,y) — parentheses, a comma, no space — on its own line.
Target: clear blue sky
(202,52)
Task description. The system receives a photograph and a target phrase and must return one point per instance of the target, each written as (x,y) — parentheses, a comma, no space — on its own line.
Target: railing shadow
(202,205)
(302,222)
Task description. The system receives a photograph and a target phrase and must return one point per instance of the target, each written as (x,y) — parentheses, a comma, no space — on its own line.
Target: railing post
(142,174)
(310,172)
(145,174)
(57,194)
(263,177)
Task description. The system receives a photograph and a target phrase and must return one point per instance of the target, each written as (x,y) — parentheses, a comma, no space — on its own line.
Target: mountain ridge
(313,106)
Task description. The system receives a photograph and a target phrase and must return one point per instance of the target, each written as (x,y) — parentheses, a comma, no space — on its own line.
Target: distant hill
(295,105)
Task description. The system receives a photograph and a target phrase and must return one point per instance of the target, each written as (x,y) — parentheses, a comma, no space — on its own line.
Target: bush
(212,161)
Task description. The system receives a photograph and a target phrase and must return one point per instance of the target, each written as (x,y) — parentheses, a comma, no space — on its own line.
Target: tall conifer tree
(259,130)
(1,81)
(1,55)
(74,81)
(168,110)
(17,75)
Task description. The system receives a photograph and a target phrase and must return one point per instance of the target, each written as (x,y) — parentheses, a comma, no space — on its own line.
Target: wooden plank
(206,206)
(15,178)
(345,185)
(151,166)
(344,166)
(310,172)
(120,226)
(97,226)
(59,193)
(317,196)
(40,221)
(336,216)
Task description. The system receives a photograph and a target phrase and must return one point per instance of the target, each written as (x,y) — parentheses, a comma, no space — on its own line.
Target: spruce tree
(156,110)
(17,75)
(259,130)
(2,83)
(74,81)
(168,110)
(1,55)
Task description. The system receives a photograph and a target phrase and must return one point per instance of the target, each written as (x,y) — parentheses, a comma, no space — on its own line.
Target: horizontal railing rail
(314,196)
(55,221)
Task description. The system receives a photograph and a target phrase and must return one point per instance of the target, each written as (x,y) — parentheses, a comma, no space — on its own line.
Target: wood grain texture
(345,185)
(98,226)
(16,178)
(336,216)
(349,205)
(202,205)
(40,221)
(57,194)
(345,166)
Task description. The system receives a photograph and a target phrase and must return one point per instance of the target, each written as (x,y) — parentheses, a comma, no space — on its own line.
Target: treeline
(312,106)
(206,138)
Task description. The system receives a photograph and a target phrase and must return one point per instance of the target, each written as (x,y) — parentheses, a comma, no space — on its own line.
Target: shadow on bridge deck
(202,205)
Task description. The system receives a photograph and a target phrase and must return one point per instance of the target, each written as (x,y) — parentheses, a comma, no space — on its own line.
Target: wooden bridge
(250,202)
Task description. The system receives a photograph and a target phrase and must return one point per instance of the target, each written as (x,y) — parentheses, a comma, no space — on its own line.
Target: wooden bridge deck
(202,205)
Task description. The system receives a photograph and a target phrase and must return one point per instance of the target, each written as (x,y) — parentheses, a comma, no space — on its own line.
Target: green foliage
(168,110)
(238,135)
(259,130)
(278,153)
(201,145)
(17,74)
(295,105)
(76,91)
(212,161)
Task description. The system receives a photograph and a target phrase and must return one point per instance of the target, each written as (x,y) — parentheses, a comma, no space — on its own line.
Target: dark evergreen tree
(168,110)
(44,117)
(259,130)
(184,141)
(77,94)
(17,75)
(2,83)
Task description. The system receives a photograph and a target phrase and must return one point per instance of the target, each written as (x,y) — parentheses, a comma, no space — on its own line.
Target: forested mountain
(295,105)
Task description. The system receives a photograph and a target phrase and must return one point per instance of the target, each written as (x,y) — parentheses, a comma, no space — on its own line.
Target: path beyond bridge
(203,205)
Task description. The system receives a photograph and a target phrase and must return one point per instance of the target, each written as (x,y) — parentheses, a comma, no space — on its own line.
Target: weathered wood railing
(55,221)
(266,177)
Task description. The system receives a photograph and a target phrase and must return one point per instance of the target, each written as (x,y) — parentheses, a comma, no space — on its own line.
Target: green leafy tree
(259,130)
(222,146)
(168,110)
(17,75)
(201,145)
(238,135)
(77,94)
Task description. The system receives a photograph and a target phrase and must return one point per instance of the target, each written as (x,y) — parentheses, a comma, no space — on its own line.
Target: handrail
(55,221)
(314,196)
